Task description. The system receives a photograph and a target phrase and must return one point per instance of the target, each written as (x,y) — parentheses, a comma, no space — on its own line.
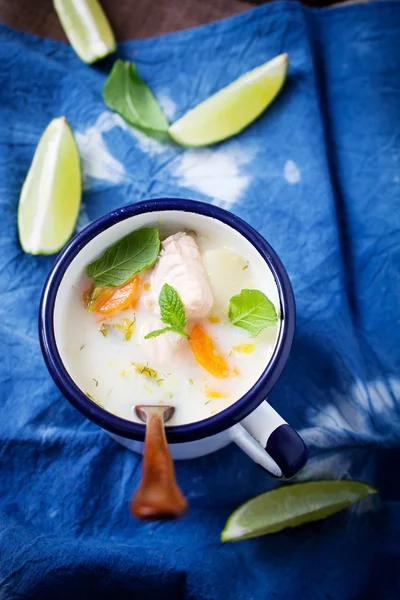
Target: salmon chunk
(181,265)
(163,348)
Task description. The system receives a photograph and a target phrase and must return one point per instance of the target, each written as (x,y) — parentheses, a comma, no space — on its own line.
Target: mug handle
(271,442)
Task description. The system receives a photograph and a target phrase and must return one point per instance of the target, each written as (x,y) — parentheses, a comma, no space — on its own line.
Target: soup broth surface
(110,361)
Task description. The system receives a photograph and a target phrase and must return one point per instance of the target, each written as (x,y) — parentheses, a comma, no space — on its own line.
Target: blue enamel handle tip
(288,450)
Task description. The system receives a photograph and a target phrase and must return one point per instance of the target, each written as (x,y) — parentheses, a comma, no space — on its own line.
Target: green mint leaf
(157,332)
(172,313)
(253,311)
(130,255)
(127,94)
(172,309)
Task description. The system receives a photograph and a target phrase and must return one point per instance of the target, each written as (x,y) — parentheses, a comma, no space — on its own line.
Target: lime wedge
(51,194)
(292,505)
(87,28)
(233,108)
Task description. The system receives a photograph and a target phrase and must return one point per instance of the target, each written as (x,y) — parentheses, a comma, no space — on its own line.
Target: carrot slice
(120,298)
(95,295)
(109,300)
(207,353)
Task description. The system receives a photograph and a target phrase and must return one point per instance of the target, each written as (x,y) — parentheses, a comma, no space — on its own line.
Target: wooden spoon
(158,495)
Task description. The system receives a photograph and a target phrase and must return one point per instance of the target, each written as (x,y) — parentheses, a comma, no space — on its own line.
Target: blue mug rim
(191,431)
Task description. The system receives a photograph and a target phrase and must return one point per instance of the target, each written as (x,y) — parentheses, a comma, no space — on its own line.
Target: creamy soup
(200,370)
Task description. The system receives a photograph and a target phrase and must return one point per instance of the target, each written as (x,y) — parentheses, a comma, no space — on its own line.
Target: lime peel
(87,28)
(233,108)
(292,505)
(51,194)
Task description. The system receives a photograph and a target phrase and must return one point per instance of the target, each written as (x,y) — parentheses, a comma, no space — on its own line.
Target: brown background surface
(131,18)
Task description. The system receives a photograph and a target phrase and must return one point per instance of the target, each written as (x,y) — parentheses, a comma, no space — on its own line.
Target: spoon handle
(158,495)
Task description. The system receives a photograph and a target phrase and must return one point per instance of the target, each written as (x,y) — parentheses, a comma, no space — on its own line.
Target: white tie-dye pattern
(167,104)
(218,172)
(291,172)
(83,219)
(332,466)
(97,161)
(381,398)
(148,145)
(354,414)
(46,432)
(344,431)
(395,387)
(108,120)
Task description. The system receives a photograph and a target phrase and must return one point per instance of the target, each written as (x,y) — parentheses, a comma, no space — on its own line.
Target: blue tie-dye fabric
(319,176)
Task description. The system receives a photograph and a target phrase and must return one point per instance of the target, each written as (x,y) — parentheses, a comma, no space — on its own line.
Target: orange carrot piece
(207,354)
(122,297)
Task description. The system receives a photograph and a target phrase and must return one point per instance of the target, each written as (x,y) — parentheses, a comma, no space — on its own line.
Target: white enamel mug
(250,422)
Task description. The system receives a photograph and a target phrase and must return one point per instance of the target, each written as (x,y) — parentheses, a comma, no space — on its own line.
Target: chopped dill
(246,266)
(145,370)
(129,330)
(149,372)
(190,381)
(95,381)
(159,381)
(128,326)
(82,347)
(104,329)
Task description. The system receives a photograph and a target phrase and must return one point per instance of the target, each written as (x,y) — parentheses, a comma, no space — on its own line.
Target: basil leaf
(172,312)
(127,94)
(252,311)
(130,255)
